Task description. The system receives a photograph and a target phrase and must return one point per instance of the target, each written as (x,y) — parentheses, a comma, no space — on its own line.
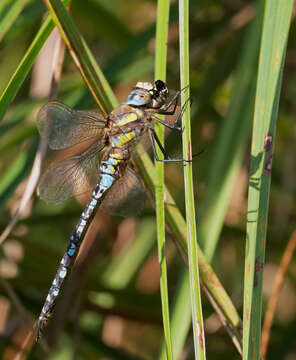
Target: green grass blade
(232,140)
(276,24)
(25,65)
(82,56)
(11,15)
(196,308)
(162,22)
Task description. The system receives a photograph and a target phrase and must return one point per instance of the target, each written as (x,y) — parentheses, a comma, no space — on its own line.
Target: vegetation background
(111,307)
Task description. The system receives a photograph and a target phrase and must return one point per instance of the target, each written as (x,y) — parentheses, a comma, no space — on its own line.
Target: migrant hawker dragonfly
(104,163)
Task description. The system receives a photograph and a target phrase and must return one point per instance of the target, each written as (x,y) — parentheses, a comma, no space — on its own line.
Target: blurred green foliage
(111,306)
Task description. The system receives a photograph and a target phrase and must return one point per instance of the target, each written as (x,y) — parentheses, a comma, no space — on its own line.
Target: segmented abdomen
(108,170)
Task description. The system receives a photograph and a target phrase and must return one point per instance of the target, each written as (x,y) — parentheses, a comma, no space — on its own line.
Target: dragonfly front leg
(178,118)
(174,100)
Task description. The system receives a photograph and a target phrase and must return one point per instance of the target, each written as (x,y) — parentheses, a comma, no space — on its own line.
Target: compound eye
(160,85)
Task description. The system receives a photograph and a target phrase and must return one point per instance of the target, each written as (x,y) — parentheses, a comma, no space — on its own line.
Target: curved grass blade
(277,17)
(162,23)
(25,65)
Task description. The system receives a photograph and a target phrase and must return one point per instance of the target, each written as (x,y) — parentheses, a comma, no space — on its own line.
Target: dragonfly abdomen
(108,175)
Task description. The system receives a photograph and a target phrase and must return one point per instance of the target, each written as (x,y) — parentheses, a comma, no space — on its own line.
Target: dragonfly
(103,165)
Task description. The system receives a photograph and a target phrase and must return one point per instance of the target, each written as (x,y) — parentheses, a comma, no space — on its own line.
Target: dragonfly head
(159,94)
(149,95)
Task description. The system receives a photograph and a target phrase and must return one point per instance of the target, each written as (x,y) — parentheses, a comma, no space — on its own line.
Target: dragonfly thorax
(148,95)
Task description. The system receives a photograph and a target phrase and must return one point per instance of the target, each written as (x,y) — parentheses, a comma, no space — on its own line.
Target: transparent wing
(63,126)
(126,197)
(72,176)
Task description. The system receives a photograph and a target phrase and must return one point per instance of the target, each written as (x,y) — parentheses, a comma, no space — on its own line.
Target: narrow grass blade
(25,65)
(276,24)
(196,308)
(162,23)
(82,56)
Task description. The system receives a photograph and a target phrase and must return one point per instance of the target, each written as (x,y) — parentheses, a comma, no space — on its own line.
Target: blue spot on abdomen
(106,180)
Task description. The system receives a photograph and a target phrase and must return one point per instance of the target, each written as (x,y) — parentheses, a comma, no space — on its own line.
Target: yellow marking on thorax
(131,117)
(121,140)
(116,156)
(139,113)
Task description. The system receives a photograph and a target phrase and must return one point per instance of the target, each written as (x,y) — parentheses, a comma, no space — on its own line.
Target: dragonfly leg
(174,100)
(179,116)
(166,124)
(181,112)
(154,138)
(165,111)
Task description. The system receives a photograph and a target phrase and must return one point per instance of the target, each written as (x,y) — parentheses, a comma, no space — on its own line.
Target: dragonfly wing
(63,126)
(126,197)
(71,176)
